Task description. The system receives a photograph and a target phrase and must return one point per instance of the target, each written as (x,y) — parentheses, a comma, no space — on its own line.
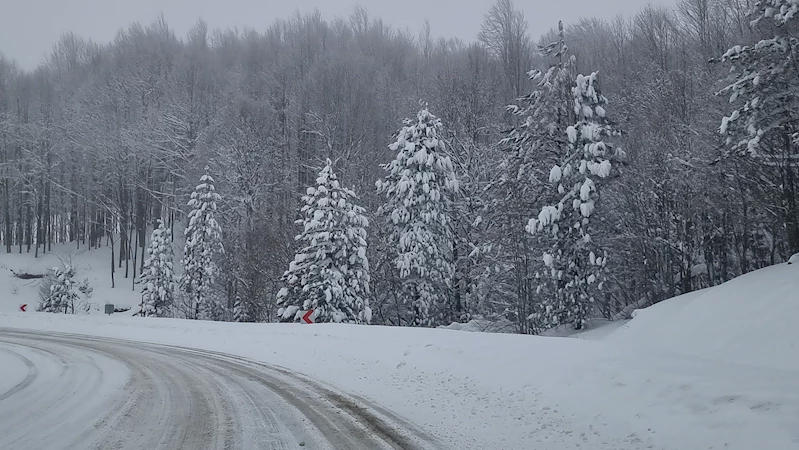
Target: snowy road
(66,391)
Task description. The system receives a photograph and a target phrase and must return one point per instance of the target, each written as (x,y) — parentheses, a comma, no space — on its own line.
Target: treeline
(100,141)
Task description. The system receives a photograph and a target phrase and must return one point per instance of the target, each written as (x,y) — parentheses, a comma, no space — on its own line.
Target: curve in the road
(90,393)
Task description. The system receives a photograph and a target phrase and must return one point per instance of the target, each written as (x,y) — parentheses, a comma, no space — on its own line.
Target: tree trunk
(48,237)
(112,263)
(123,226)
(7,217)
(789,192)
(28,224)
(135,255)
(128,246)
(39,232)
(141,225)
(19,221)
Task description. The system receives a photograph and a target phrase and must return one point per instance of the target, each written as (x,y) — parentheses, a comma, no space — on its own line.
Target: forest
(538,181)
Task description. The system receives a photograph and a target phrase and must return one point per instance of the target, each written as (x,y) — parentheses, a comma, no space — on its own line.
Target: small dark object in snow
(28,276)
(121,309)
(302,444)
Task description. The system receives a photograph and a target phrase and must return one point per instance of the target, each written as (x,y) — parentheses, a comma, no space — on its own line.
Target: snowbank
(749,320)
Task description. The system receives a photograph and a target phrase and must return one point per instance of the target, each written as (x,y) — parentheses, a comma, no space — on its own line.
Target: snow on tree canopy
(203,244)
(418,187)
(765,78)
(555,174)
(571,265)
(158,274)
(780,11)
(763,88)
(330,272)
(541,114)
(63,294)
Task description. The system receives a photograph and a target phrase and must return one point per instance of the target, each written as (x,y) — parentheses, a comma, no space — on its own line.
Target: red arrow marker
(307,317)
(23,307)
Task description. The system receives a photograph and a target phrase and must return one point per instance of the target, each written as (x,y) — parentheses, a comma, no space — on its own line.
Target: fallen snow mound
(483,325)
(749,320)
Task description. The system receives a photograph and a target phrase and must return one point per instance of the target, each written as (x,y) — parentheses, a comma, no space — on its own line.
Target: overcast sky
(29,28)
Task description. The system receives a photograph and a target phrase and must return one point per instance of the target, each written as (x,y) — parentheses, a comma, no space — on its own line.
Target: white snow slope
(92,264)
(750,320)
(709,370)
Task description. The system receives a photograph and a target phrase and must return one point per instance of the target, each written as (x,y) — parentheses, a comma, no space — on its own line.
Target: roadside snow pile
(749,320)
(483,325)
(593,329)
(19,282)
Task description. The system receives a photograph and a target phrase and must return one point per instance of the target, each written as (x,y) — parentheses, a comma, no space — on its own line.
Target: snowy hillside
(94,265)
(749,320)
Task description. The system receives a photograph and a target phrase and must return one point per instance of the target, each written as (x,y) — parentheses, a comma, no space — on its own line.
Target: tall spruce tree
(203,245)
(419,188)
(330,272)
(537,141)
(158,274)
(573,267)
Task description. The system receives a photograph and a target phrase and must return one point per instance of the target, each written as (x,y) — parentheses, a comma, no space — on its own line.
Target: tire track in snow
(29,377)
(126,395)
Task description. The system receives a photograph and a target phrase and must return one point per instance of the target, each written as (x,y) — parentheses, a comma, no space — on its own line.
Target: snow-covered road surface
(67,391)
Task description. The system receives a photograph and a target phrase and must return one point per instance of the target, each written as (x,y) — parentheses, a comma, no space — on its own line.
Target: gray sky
(29,28)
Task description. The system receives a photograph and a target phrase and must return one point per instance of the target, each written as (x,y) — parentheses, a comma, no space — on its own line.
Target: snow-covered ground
(715,369)
(92,264)
(750,320)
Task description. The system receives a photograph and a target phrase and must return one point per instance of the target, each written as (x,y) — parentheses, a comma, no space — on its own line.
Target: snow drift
(749,320)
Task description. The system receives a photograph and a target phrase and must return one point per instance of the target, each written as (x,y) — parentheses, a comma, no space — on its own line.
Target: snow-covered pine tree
(157,276)
(62,293)
(419,188)
(330,272)
(240,311)
(574,264)
(203,244)
(538,141)
(764,126)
